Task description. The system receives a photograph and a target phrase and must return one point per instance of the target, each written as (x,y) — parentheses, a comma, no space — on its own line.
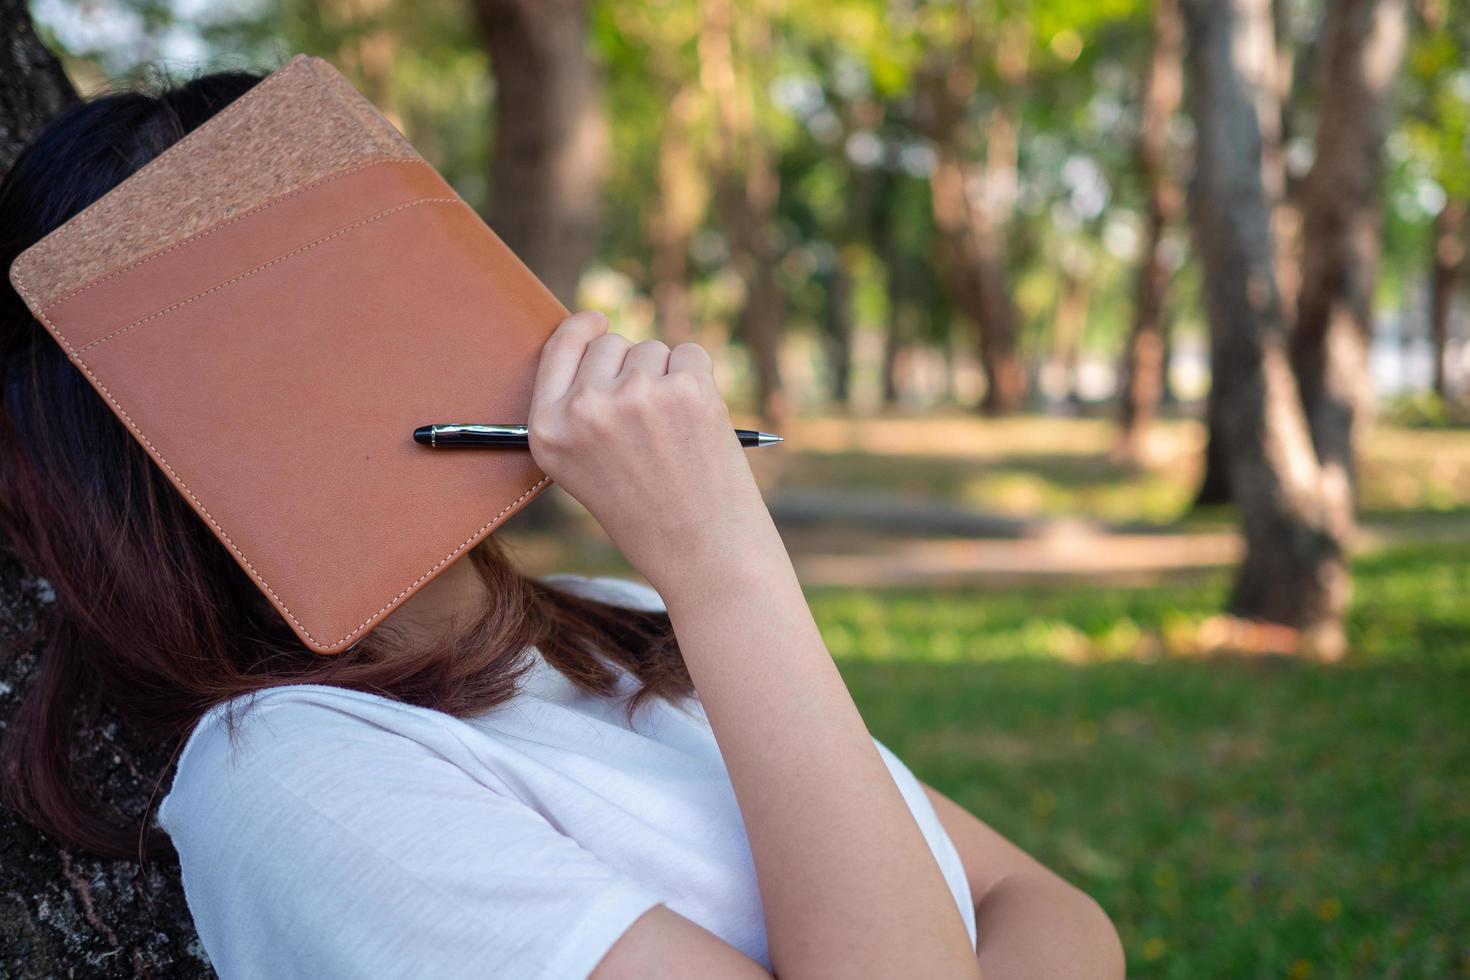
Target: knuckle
(691,349)
(634,386)
(610,341)
(583,322)
(686,386)
(652,346)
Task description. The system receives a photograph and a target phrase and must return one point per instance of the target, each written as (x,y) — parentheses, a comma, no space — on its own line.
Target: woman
(508,777)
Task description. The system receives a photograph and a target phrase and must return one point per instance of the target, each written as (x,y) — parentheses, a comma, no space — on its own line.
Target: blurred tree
(1439,131)
(1144,364)
(1296,508)
(366,49)
(971,193)
(1270,75)
(68,912)
(661,123)
(33,87)
(676,216)
(551,136)
(1273,74)
(1342,225)
(732,53)
(1447,264)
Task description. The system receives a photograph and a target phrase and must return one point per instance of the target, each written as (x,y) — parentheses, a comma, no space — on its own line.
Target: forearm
(1036,925)
(849,885)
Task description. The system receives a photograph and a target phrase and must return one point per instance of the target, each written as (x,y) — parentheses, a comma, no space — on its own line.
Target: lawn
(1037,466)
(1237,817)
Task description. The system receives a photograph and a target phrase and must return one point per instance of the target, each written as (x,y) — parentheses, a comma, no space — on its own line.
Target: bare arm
(1030,922)
(849,886)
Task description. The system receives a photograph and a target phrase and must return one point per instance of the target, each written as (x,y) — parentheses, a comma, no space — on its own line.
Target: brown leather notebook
(272,306)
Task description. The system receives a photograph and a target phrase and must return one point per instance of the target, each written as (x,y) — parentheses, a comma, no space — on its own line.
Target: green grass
(1238,818)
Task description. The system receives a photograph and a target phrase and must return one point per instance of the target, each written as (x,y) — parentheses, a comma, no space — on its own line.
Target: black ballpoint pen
(465,435)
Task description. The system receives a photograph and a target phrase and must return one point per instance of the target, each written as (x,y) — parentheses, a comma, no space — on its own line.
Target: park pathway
(857,540)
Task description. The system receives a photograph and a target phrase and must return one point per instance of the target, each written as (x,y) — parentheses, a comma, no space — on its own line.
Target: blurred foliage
(837,107)
(1425,410)
(1240,818)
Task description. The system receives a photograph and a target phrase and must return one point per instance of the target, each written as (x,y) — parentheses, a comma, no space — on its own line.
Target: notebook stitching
(278,259)
(221,225)
(25,292)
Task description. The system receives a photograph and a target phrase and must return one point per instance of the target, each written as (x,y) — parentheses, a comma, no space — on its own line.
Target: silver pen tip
(767,439)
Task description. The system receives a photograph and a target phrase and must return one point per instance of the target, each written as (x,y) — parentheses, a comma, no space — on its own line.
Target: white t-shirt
(350,835)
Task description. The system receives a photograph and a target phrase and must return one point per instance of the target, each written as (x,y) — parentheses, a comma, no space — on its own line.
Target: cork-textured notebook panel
(131,297)
(283,124)
(271,307)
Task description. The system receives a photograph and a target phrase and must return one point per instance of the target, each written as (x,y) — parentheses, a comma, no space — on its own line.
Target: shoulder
(295,739)
(342,834)
(614,591)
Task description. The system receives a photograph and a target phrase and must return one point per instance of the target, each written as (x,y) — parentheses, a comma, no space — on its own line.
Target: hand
(640,436)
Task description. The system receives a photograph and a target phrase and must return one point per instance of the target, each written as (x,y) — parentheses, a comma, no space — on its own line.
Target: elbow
(1067,934)
(1103,943)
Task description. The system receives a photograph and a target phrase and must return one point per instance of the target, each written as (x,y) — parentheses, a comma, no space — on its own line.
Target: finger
(603,360)
(648,357)
(562,354)
(690,357)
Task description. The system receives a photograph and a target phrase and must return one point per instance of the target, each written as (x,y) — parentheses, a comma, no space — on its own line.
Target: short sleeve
(940,843)
(610,589)
(328,845)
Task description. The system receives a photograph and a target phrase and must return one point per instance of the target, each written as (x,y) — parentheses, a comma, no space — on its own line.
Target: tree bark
(746,191)
(675,219)
(969,196)
(65,913)
(1342,217)
(1448,264)
(33,88)
(1069,323)
(1144,363)
(838,331)
(1266,69)
(1297,518)
(551,136)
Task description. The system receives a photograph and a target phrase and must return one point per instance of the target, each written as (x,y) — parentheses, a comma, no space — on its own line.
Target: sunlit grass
(1038,466)
(1238,818)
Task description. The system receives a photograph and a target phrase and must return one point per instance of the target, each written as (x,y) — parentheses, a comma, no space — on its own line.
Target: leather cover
(272,306)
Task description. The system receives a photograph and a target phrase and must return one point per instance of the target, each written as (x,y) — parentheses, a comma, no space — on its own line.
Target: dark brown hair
(151,613)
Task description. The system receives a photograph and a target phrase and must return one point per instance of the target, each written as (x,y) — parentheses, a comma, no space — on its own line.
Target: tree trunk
(1266,69)
(1144,364)
(892,337)
(551,136)
(1363,42)
(838,331)
(968,199)
(1297,520)
(366,50)
(1069,323)
(1448,262)
(65,913)
(1214,485)
(973,258)
(33,88)
(747,187)
(675,219)
(895,281)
